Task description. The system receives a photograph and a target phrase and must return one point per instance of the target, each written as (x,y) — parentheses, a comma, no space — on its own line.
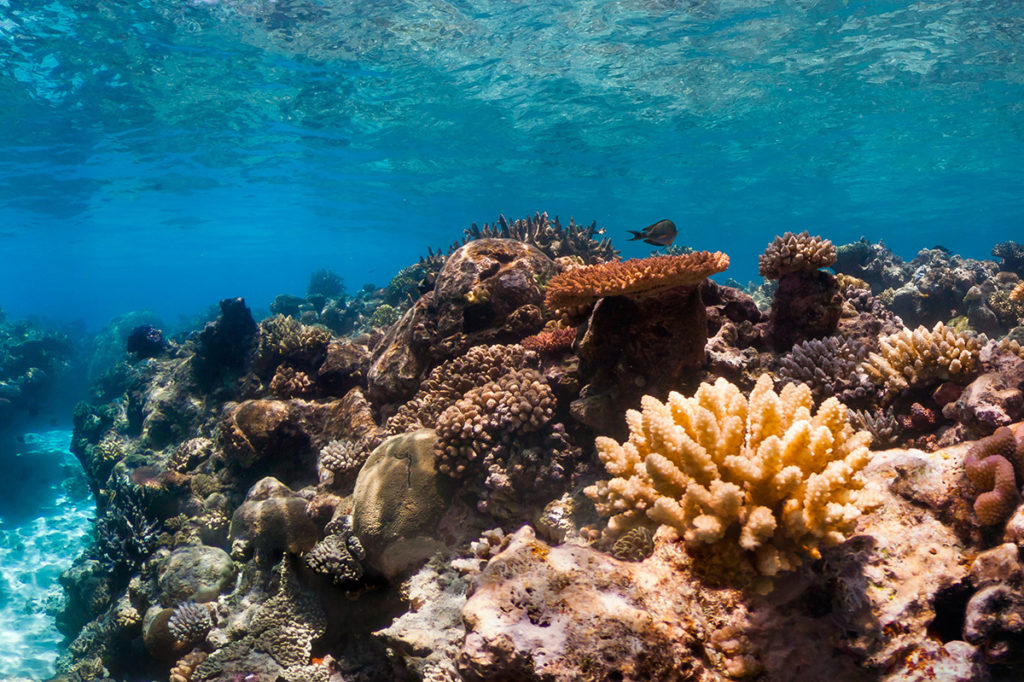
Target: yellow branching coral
(920,357)
(721,469)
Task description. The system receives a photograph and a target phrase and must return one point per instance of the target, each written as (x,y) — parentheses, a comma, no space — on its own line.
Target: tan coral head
(723,469)
(795,253)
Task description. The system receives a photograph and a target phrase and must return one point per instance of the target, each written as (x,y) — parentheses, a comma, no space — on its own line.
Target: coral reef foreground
(526,459)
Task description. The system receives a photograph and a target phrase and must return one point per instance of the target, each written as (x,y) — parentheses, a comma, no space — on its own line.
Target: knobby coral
(721,469)
(1018,293)
(794,253)
(518,402)
(583,286)
(451,380)
(828,366)
(990,464)
(912,359)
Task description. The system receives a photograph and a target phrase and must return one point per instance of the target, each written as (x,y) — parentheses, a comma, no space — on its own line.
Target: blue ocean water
(163,154)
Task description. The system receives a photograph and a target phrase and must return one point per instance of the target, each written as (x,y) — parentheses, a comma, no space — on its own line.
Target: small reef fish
(661,233)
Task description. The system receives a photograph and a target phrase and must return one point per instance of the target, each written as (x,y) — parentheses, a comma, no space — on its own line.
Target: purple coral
(990,465)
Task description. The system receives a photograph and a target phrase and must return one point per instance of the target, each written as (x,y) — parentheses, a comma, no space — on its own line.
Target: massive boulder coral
(912,359)
(722,469)
(489,292)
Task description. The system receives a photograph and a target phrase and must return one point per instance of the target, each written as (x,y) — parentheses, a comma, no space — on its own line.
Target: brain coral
(990,464)
(583,286)
(723,469)
(921,357)
(794,253)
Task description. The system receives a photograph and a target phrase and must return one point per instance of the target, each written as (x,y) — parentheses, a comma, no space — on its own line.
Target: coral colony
(526,459)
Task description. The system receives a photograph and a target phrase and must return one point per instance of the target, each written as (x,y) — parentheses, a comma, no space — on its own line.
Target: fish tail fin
(636,235)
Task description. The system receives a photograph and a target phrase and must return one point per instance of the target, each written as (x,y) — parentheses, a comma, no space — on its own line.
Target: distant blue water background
(166,154)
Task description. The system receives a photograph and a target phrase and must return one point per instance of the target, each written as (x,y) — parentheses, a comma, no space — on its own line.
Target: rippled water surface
(166,154)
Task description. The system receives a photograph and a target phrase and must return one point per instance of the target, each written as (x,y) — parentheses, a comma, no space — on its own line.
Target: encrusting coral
(583,286)
(795,253)
(990,464)
(911,359)
(721,469)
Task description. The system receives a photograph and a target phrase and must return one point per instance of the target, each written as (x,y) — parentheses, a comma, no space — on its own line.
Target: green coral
(384,315)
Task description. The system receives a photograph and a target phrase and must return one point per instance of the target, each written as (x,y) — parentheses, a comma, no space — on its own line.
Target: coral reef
(1011,257)
(314,498)
(723,469)
(795,253)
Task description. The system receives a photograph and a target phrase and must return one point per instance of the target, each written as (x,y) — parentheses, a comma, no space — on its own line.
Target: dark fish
(940,247)
(661,233)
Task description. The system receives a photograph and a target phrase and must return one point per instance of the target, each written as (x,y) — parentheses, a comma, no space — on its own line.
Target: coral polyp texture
(583,286)
(991,464)
(795,253)
(911,359)
(517,403)
(723,469)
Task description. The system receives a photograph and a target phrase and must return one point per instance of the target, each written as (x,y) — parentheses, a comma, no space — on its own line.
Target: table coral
(583,286)
(721,469)
(912,359)
(795,253)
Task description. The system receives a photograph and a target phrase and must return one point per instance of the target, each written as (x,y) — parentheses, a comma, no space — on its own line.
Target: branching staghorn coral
(795,253)
(584,286)
(882,424)
(912,359)
(721,469)
(550,237)
(990,464)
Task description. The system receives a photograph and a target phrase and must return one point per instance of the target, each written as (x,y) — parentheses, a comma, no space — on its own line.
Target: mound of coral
(526,460)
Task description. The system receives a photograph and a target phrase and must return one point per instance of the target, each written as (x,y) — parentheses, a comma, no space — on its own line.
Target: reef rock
(399,498)
(488,292)
(272,519)
(994,399)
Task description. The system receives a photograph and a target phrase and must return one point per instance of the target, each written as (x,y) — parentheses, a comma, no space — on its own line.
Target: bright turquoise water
(166,154)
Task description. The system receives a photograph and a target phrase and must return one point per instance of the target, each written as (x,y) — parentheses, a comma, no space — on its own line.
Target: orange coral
(1018,293)
(550,341)
(584,286)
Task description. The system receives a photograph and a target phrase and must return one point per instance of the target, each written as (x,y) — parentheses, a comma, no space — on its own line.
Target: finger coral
(550,237)
(583,286)
(190,622)
(795,253)
(724,469)
(519,402)
(990,465)
(828,366)
(341,457)
(451,380)
(922,357)
(286,339)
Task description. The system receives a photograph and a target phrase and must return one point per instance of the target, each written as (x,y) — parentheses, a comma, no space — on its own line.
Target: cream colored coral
(915,358)
(721,468)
